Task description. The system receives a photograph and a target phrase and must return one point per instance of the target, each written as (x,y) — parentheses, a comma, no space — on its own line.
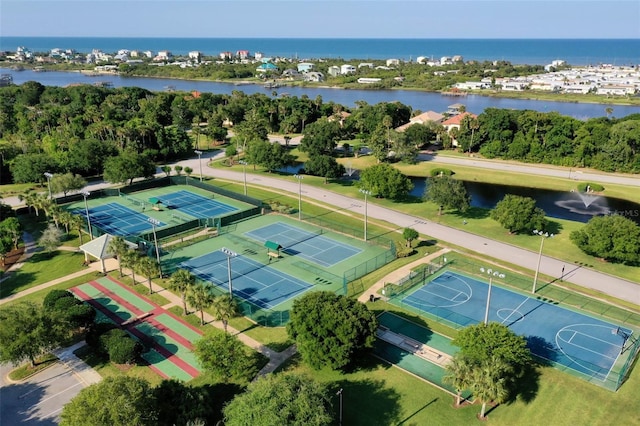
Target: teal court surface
(195,205)
(169,340)
(252,281)
(311,246)
(574,340)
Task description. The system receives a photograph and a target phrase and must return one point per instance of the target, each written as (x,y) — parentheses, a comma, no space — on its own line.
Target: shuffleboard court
(258,284)
(583,343)
(195,205)
(311,246)
(117,219)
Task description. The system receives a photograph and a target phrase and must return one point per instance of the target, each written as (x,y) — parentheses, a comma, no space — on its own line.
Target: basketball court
(588,345)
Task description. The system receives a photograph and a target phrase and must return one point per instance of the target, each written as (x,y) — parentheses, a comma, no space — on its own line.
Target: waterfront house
(195,56)
(365,65)
(314,76)
(242,54)
(425,117)
(347,69)
(226,56)
(369,80)
(454,123)
(266,67)
(306,67)
(333,71)
(393,62)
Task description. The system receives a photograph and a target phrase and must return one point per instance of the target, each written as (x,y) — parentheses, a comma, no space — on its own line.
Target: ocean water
(516,51)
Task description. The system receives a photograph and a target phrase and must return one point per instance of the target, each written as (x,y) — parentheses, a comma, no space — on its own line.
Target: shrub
(95,333)
(53,296)
(120,347)
(441,172)
(593,187)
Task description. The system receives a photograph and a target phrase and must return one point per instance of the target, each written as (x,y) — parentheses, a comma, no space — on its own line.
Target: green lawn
(41,268)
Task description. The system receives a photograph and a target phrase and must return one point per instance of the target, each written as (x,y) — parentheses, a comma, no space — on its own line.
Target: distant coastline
(578,52)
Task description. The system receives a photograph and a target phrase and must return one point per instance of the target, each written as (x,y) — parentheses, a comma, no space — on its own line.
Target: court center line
(517,309)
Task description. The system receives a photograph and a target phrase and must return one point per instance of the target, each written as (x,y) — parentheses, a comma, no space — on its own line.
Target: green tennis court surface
(168,339)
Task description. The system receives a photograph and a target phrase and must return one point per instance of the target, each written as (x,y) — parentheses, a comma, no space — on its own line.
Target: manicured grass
(41,268)
(39,296)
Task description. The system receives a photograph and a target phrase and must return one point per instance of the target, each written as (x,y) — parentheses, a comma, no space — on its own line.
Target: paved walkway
(85,373)
(399,273)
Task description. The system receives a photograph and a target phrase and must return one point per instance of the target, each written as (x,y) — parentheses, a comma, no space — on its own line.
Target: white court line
(517,309)
(576,333)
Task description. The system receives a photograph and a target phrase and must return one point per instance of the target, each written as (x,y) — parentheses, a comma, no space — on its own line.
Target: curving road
(612,286)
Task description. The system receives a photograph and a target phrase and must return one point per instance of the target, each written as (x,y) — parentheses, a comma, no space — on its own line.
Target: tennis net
(133,200)
(305,237)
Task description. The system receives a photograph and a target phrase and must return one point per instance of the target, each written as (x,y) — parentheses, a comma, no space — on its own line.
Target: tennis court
(259,284)
(169,339)
(117,219)
(195,205)
(311,246)
(572,339)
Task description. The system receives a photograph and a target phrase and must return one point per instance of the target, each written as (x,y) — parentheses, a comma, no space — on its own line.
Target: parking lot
(39,399)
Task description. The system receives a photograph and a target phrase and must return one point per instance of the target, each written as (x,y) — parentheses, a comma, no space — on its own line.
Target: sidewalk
(399,273)
(85,373)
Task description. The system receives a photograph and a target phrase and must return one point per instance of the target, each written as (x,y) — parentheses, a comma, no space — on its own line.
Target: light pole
(365,192)
(199,154)
(49,176)
(85,194)
(244,174)
(491,274)
(339,393)
(544,236)
(154,223)
(299,177)
(229,254)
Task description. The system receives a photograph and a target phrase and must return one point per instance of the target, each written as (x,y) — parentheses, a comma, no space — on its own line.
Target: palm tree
(200,298)
(29,199)
(458,374)
(489,383)
(148,267)
(66,219)
(224,308)
(118,247)
(77,223)
(131,259)
(181,281)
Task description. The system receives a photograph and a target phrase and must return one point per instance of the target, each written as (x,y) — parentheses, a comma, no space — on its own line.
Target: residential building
(347,69)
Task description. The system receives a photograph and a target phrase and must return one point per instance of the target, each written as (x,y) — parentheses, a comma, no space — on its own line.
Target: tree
(50,239)
(224,355)
(331,330)
(458,374)
(181,281)
(410,234)
(324,165)
(166,170)
(613,238)
(118,247)
(281,399)
(200,298)
(224,308)
(320,138)
(519,214)
(127,166)
(12,229)
(187,171)
(148,267)
(130,260)
(385,181)
(490,360)
(27,331)
(116,401)
(448,193)
(67,182)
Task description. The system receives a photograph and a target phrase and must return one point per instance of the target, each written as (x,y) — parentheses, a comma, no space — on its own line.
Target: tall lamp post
(299,177)
(365,192)
(86,194)
(339,393)
(244,174)
(229,254)
(491,274)
(199,154)
(544,236)
(155,222)
(49,176)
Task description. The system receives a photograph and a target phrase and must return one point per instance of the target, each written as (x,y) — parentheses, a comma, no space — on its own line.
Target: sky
(322,18)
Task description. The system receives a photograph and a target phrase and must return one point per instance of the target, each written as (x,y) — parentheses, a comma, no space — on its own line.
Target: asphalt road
(39,399)
(612,286)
